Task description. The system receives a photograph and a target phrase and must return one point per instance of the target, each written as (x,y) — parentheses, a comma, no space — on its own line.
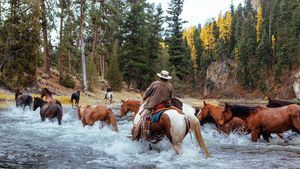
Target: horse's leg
(59,118)
(177,147)
(266,136)
(255,133)
(296,122)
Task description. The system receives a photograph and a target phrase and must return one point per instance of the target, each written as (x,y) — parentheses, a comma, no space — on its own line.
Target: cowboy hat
(164,75)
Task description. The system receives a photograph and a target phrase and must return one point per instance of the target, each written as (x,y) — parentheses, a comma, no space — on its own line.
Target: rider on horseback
(158,94)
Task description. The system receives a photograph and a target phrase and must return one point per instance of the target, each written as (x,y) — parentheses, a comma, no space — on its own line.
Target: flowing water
(26,142)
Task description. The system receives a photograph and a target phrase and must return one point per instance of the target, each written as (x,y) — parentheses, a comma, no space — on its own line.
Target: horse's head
(204,112)
(124,109)
(226,115)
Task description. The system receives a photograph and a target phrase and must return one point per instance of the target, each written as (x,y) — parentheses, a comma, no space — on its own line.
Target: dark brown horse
(263,120)
(234,125)
(48,95)
(48,110)
(23,100)
(272,103)
(76,97)
(89,115)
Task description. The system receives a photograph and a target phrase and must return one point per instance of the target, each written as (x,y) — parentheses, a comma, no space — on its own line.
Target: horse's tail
(195,127)
(112,119)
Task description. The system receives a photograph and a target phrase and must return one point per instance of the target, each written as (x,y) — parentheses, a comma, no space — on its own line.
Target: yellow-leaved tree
(259,23)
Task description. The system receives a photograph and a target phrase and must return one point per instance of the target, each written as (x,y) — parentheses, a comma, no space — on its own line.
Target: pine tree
(21,32)
(114,76)
(247,70)
(174,39)
(136,45)
(156,20)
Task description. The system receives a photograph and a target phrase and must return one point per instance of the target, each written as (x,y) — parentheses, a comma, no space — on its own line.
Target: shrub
(67,81)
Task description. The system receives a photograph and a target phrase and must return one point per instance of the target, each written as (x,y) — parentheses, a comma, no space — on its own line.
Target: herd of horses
(277,116)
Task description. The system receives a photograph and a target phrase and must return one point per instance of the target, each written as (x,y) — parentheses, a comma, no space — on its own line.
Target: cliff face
(221,83)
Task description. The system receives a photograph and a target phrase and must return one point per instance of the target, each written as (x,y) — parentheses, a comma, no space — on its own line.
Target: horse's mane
(39,100)
(133,101)
(215,106)
(242,110)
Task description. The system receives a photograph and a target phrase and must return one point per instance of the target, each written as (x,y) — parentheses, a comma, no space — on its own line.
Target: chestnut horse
(48,94)
(234,125)
(134,105)
(272,103)
(263,120)
(174,126)
(48,110)
(129,106)
(90,115)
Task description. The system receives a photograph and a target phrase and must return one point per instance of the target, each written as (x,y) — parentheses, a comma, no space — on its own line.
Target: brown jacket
(158,92)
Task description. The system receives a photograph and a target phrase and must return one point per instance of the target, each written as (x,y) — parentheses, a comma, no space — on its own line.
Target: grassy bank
(7,99)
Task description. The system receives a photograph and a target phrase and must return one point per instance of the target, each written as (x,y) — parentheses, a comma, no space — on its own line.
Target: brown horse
(234,125)
(48,94)
(264,121)
(134,105)
(129,106)
(48,110)
(90,115)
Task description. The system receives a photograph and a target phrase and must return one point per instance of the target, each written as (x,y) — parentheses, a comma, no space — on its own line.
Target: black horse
(23,100)
(75,96)
(273,103)
(48,110)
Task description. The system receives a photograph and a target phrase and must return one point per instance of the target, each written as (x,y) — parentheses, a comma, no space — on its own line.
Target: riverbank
(7,99)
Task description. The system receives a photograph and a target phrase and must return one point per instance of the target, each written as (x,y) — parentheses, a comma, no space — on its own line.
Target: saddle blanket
(155,117)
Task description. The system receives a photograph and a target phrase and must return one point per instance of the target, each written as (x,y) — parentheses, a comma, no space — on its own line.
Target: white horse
(175,126)
(108,97)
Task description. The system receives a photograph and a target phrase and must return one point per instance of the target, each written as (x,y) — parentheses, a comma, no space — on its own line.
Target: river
(26,142)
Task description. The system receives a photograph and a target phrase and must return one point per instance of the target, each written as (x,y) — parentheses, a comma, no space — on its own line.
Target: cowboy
(159,93)
(108,90)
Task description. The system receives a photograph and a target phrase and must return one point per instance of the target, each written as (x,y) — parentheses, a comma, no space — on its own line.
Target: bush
(67,81)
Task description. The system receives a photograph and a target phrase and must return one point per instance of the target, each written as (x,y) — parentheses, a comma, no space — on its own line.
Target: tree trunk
(45,36)
(60,37)
(69,35)
(85,87)
(102,67)
(81,22)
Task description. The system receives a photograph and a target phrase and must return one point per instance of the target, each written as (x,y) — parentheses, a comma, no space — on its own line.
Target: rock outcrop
(296,84)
